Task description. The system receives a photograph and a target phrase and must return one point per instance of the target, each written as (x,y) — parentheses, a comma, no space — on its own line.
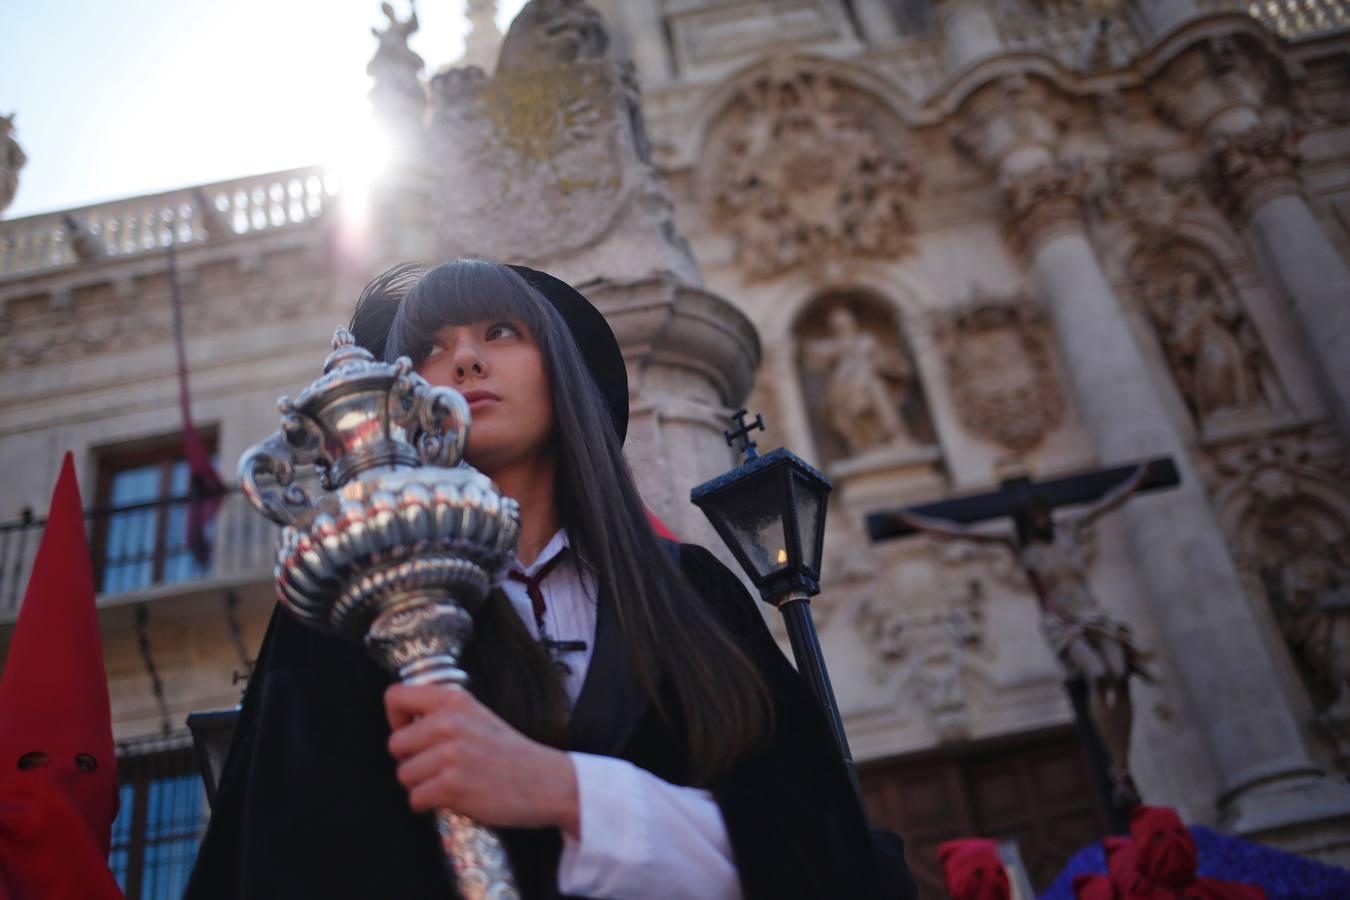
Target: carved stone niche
(1211,346)
(999,367)
(862,391)
(1285,504)
(802,168)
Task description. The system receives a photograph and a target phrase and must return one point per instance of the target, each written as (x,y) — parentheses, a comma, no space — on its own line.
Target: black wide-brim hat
(379,303)
(595,339)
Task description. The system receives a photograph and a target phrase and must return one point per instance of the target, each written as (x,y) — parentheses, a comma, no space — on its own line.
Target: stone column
(1156,18)
(1256,171)
(1264,779)
(969,31)
(1253,171)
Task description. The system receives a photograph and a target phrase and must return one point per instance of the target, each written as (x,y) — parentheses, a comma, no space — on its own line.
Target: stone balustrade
(241,206)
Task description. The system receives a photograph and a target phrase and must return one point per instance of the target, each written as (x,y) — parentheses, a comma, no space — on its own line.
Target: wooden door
(1036,789)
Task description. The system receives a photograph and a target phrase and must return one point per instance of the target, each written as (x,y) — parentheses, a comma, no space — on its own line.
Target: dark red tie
(533,587)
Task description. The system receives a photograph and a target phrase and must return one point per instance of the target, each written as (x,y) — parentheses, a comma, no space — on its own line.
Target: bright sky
(123,97)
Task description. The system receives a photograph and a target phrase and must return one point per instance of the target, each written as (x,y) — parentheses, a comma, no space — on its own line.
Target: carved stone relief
(1284,502)
(859,383)
(550,157)
(1132,189)
(997,355)
(804,167)
(1216,356)
(550,33)
(939,641)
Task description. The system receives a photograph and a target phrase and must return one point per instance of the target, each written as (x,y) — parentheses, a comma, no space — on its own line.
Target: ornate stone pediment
(997,354)
(805,167)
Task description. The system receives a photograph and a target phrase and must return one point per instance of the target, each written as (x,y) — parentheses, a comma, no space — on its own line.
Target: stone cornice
(1164,51)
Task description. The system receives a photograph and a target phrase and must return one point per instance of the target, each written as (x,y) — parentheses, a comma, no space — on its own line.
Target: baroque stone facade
(938,244)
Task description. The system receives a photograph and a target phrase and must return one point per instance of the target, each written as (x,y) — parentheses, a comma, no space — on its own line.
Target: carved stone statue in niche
(1211,346)
(866,381)
(12,160)
(998,363)
(1307,579)
(808,170)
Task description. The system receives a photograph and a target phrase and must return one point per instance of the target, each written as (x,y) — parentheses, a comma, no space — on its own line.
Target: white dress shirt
(641,836)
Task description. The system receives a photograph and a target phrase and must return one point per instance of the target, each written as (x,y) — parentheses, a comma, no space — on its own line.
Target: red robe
(1157,862)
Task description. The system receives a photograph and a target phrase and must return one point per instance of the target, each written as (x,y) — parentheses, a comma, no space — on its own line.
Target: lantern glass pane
(753,511)
(809,514)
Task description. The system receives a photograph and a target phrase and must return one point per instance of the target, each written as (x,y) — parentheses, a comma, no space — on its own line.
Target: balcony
(141,551)
(243,206)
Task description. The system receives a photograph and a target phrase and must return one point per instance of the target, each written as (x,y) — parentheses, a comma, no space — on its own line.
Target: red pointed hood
(54,690)
(974,870)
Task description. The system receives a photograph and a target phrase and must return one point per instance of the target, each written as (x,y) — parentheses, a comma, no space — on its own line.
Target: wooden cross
(1030,505)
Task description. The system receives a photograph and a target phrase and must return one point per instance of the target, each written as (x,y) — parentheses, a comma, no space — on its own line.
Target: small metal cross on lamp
(770,511)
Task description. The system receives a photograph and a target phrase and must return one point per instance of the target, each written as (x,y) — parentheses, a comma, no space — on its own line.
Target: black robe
(309,805)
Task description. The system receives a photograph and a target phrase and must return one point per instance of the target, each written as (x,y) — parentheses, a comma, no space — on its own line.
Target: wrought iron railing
(143,545)
(161,817)
(241,206)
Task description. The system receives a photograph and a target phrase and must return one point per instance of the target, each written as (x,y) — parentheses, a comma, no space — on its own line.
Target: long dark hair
(699,680)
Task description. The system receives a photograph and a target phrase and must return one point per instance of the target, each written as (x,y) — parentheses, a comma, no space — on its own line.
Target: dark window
(159,824)
(141,527)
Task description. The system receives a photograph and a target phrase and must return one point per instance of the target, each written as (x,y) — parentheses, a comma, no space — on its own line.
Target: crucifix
(1098,654)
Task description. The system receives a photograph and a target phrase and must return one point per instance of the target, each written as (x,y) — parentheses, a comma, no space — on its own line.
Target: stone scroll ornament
(398,545)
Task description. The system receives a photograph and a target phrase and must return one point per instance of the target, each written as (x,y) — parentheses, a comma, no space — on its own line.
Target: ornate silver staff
(398,547)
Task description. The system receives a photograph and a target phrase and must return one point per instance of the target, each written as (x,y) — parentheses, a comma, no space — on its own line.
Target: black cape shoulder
(309,806)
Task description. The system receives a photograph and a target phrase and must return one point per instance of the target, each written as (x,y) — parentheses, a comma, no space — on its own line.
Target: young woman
(633,729)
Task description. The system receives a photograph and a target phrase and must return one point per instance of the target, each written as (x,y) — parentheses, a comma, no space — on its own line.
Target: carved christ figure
(859,373)
(1089,644)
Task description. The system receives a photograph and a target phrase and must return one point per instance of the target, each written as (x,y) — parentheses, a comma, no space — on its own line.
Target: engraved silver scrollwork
(398,547)
(267,477)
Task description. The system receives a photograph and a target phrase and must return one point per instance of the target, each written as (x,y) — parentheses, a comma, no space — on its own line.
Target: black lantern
(770,511)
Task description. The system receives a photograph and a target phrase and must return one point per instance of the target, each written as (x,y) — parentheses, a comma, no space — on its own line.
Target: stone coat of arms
(999,368)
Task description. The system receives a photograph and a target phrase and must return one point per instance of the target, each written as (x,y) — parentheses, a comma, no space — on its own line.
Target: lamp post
(770,512)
